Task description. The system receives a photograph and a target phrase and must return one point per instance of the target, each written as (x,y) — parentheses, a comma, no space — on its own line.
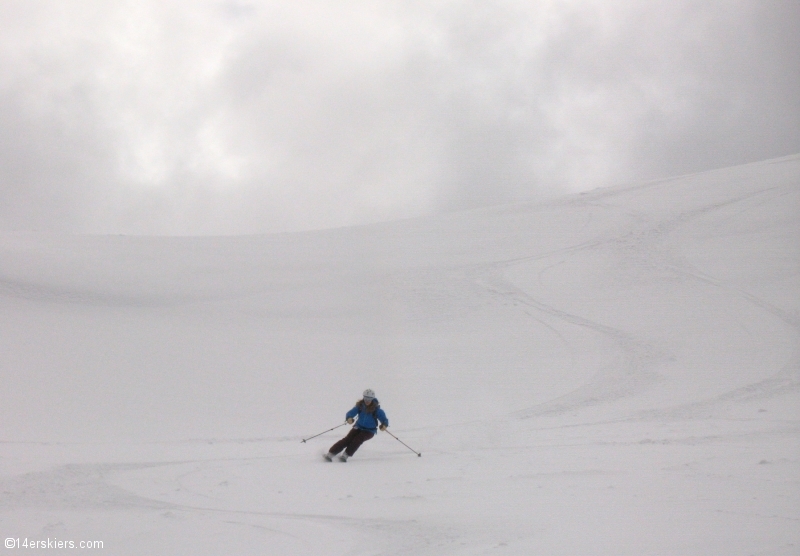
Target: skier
(370,415)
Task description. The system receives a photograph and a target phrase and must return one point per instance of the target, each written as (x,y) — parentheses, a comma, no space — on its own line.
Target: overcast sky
(203,117)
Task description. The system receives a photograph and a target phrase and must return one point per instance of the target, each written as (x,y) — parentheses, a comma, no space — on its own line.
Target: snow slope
(613,373)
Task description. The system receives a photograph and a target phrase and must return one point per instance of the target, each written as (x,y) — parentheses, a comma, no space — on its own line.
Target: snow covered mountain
(616,372)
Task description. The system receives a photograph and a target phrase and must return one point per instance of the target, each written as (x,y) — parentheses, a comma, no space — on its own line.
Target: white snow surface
(611,373)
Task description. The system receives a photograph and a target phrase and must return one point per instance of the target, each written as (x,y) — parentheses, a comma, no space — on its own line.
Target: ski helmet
(369,395)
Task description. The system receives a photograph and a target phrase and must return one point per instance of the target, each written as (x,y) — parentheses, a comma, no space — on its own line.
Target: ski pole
(323,432)
(419,454)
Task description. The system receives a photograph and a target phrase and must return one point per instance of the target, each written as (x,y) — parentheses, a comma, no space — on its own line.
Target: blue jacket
(368,421)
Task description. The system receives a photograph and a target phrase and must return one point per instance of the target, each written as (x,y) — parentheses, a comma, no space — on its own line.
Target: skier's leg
(357,441)
(344,442)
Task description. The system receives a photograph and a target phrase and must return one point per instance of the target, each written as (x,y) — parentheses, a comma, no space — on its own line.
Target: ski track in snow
(603,374)
(635,372)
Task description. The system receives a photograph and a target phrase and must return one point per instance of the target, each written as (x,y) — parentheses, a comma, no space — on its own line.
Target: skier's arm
(351,414)
(382,418)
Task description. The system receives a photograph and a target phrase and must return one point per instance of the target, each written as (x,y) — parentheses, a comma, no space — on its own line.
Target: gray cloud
(177,117)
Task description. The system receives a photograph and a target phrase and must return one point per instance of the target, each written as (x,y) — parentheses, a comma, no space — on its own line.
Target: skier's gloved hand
(382,427)
(350,420)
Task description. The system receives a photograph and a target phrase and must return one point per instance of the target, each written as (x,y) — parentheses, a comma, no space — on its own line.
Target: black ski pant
(351,442)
